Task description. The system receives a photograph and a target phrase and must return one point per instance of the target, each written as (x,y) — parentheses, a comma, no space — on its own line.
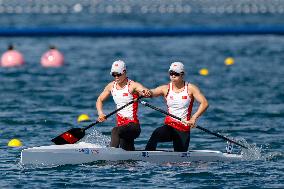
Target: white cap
(177,67)
(118,66)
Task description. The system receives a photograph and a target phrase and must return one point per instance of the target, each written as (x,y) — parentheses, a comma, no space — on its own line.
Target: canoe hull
(86,153)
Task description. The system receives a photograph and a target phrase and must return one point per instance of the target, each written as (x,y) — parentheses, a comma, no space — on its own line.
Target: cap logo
(175,65)
(116,65)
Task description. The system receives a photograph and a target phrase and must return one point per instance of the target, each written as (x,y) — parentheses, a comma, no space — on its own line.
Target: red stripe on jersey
(190,108)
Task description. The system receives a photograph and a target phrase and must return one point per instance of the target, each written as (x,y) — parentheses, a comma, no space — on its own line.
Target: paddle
(201,128)
(75,134)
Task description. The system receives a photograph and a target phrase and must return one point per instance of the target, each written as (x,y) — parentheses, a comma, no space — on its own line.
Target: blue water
(246,101)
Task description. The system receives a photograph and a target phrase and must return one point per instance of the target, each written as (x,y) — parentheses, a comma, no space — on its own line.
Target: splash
(257,153)
(96,137)
(253,152)
(273,156)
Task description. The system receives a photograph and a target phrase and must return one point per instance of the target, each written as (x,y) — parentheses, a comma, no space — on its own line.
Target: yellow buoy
(83,117)
(229,61)
(15,143)
(204,72)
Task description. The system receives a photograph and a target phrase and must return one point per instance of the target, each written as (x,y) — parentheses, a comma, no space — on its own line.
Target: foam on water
(274,156)
(96,137)
(253,152)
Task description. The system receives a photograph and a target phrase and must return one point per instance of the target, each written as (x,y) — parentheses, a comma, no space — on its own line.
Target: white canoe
(86,152)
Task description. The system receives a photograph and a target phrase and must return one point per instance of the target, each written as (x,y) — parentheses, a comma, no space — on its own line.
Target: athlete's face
(118,77)
(174,76)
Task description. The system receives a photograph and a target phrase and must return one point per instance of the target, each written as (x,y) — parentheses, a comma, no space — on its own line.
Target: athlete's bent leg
(114,137)
(129,131)
(127,134)
(161,134)
(180,140)
(127,144)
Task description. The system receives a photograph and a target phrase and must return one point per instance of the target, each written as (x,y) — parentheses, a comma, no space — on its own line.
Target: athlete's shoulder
(192,88)
(131,82)
(134,83)
(109,86)
(160,90)
(191,85)
(165,86)
(161,87)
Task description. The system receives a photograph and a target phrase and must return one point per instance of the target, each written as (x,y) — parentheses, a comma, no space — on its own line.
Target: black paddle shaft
(110,114)
(75,134)
(201,128)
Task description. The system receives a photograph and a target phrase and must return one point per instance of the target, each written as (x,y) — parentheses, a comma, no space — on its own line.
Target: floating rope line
(142,31)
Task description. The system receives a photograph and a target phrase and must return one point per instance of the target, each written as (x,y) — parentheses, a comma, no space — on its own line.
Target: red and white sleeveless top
(122,97)
(179,104)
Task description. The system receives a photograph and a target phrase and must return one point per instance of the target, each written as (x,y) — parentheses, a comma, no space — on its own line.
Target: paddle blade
(69,137)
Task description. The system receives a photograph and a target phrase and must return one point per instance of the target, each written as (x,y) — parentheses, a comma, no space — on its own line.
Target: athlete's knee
(155,133)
